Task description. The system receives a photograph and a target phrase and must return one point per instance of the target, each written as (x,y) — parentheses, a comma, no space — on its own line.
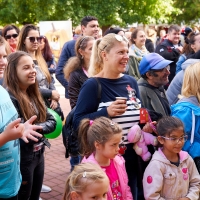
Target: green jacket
(133,67)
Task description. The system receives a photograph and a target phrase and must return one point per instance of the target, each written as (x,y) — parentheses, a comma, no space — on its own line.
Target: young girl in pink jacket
(100,141)
(172,173)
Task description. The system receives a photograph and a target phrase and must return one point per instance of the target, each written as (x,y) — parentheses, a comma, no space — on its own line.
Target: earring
(82,57)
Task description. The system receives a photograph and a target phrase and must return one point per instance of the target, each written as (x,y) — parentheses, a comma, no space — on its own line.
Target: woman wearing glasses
(10,33)
(119,96)
(188,110)
(29,40)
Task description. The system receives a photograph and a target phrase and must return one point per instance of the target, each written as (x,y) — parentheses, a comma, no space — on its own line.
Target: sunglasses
(9,36)
(121,38)
(32,39)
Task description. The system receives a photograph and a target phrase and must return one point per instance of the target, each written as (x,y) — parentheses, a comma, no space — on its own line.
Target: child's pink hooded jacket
(121,171)
(165,181)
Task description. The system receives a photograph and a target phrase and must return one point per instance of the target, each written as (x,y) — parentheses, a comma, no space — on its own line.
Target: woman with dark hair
(187,49)
(29,40)
(47,54)
(76,68)
(136,52)
(10,33)
(21,83)
(117,31)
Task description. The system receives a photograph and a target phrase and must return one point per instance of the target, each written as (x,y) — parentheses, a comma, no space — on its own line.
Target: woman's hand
(54,104)
(150,127)
(55,95)
(118,107)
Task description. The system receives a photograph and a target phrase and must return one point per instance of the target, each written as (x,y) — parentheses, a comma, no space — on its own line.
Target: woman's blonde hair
(38,55)
(104,44)
(191,81)
(82,176)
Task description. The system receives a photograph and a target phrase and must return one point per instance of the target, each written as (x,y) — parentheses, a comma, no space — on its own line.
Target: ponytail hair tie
(91,122)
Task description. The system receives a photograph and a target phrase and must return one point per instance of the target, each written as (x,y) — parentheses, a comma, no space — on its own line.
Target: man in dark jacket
(154,70)
(89,27)
(171,49)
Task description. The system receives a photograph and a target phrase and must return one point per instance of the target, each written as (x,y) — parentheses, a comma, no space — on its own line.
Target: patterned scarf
(137,53)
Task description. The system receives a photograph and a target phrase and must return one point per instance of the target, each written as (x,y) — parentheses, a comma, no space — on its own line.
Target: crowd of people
(114,83)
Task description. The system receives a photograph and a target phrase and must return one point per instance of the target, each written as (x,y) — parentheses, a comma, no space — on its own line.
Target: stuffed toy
(141,139)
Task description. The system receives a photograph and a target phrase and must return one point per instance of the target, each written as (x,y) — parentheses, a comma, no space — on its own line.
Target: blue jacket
(68,51)
(183,110)
(180,61)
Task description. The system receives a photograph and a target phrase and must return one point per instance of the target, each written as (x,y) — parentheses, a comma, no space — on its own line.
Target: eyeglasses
(32,39)
(176,140)
(162,70)
(9,36)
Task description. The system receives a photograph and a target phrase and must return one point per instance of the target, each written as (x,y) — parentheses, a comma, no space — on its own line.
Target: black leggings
(32,170)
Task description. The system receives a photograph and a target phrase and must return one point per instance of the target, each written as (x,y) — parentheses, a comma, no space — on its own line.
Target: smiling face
(158,78)
(91,29)
(3,59)
(174,36)
(172,148)
(32,46)
(140,39)
(116,59)
(26,72)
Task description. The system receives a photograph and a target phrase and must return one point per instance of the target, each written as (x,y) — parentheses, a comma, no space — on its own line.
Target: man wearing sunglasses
(154,70)
(89,27)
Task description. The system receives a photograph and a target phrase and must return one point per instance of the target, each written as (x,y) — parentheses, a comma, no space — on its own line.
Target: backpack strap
(99,89)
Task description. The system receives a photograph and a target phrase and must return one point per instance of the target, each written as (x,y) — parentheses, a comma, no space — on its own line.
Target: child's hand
(30,130)
(184,198)
(14,130)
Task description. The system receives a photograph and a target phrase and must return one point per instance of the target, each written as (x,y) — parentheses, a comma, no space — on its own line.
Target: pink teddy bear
(141,139)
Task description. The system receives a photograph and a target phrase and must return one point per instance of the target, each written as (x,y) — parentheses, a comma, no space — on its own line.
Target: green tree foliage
(109,12)
(190,11)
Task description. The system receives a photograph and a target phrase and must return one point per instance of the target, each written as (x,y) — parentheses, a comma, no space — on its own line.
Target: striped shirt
(88,106)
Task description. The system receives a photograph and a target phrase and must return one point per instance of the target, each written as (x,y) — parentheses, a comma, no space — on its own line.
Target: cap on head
(152,61)
(187,31)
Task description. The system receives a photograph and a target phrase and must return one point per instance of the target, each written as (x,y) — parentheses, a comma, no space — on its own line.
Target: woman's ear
(160,139)
(104,55)
(74,195)
(80,51)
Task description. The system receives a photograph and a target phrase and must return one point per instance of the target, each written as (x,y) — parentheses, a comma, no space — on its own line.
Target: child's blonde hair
(100,130)
(83,175)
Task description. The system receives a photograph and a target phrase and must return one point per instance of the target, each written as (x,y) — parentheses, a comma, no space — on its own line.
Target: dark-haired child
(172,173)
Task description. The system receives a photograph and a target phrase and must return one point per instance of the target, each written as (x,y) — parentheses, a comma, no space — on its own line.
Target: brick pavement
(57,167)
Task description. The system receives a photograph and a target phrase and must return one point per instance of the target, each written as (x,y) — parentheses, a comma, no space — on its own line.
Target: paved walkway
(57,167)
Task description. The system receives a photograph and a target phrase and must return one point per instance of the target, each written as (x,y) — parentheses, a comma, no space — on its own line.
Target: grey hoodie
(175,86)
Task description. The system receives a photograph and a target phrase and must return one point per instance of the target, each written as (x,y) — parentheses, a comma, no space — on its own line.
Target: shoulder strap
(99,89)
